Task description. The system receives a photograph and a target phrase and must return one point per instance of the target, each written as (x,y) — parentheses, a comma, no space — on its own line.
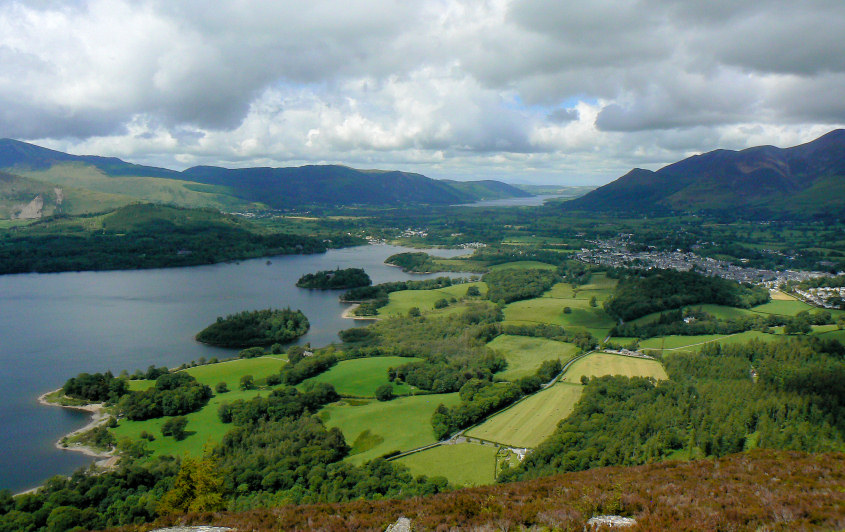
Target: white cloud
(535,89)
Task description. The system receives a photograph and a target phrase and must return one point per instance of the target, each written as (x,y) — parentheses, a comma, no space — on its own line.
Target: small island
(335,279)
(255,328)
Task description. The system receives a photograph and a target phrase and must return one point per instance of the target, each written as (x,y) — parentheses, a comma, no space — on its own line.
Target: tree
(567,310)
(473,291)
(593,302)
(384,392)
(441,303)
(247,382)
(175,427)
(198,487)
(414,312)
(221,387)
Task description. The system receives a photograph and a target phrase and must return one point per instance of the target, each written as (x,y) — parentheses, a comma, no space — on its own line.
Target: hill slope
(761,490)
(805,180)
(236,189)
(341,185)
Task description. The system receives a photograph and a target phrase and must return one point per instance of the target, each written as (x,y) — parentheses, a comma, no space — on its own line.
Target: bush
(247,382)
(175,427)
(221,387)
(441,303)
(384,392)
(252,352)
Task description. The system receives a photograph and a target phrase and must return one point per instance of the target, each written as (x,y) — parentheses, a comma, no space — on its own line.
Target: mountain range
(764,181)
(37,181)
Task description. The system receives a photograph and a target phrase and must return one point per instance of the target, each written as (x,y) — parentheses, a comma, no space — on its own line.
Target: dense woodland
(506,286)
(144,236)
(255,328)
(641,292)
(335,279)
(780,395)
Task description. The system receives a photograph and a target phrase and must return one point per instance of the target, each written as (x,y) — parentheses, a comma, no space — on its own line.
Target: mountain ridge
(803,180)
(283,187)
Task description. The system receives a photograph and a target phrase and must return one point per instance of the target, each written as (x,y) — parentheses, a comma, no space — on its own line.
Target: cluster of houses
(615,253)
(825,297)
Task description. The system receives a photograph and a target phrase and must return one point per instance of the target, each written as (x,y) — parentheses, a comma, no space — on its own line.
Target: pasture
(523,265)
(525,354)
(533,419)
(782,307)
(375,428)
(463,464)
(401,302)
(550,310)
(361,376)
(693,343)
(203,427)
(600,364)
(229,371)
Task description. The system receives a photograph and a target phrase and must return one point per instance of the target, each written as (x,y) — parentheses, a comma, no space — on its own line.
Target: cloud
(498,88)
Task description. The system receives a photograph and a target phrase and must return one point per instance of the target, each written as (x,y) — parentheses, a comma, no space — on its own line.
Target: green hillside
(143,236)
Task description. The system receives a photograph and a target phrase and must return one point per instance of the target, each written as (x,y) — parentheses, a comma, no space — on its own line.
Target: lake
(54,326)
(530,201)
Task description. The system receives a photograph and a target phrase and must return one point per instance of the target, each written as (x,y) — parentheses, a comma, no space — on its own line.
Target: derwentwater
(54,326)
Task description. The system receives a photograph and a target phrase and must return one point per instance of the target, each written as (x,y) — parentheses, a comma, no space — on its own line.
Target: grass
(695,342)
(525,354)
(203,427)
(229,372)
(382,427)
(360,377)
(549,307)
(401,302)
(463,464)
(523,265)
(156,190)
(600,364)
(777,295)
(533,420)
(783,308)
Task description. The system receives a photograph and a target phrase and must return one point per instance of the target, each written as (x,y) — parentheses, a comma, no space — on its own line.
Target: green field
(203,427)
(523,265)
(721,312)
(549,307)
(838,335)
(784,308)
(401,302)
(677,343)
(550,310)
(525,354)
(532,420)
(464,464)
(360,377)
(375,428)
(600,364)
(229,372)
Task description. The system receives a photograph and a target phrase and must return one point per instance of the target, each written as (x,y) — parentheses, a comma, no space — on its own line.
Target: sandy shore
(98,417)
(348,314)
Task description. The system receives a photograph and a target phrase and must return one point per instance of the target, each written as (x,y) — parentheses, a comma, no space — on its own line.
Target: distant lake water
(531,201)
(54,326)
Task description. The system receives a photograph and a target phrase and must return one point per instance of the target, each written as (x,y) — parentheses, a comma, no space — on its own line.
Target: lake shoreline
(99,416)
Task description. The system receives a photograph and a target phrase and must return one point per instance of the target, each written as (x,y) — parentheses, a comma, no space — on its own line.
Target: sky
(531,91)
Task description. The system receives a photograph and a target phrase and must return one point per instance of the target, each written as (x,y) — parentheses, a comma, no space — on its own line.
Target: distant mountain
(765,181)
(17,154)
(237,189)
(488,189)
